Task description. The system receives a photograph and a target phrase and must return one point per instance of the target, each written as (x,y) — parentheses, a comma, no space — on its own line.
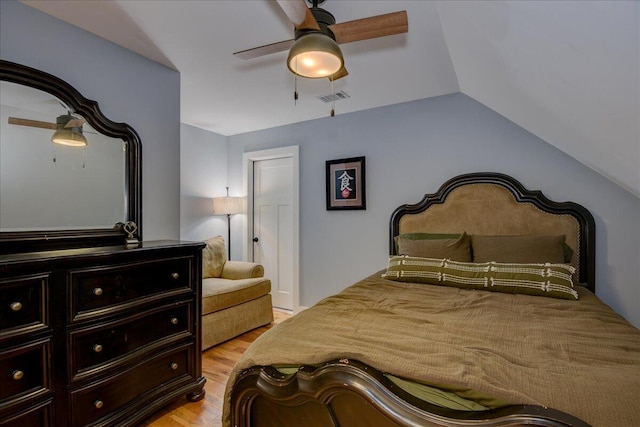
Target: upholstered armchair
(235,296)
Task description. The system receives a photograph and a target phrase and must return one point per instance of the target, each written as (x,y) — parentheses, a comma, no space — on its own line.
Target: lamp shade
(228,205)
(315,56)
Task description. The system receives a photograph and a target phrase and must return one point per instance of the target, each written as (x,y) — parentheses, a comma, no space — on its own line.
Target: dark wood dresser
(99,336)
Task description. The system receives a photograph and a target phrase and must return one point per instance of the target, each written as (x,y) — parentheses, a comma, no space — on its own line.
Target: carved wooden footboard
(352,394)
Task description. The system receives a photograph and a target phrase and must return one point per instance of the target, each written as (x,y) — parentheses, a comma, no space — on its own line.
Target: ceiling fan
(68,129)
(314,53)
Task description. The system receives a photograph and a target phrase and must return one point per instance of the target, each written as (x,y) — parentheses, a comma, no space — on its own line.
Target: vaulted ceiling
(566,71)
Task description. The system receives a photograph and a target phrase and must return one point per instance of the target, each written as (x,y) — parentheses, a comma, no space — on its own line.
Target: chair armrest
(235,270)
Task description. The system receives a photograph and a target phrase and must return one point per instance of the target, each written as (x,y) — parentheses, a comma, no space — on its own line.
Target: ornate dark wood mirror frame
(23,241)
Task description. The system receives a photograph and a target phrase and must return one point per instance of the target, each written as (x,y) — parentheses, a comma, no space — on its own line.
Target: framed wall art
(346,184)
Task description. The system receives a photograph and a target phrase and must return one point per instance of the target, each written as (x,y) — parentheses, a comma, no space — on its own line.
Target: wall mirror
(52,195)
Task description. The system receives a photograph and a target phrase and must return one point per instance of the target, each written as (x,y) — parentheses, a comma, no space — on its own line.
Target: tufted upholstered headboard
(498,205)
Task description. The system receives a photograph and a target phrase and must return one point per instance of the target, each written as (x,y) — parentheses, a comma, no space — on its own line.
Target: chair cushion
(225,324)
(218,294)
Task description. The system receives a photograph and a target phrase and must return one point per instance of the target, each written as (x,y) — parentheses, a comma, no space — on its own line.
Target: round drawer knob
(16,306)
(175,276)
(174,366)
(174,320)
(17,375)
(98,404)
(97,348)
(97,291)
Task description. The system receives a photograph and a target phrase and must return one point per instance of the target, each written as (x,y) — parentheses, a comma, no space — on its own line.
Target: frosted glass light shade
(315,56)
(228,205)
(72,137)
(69,131)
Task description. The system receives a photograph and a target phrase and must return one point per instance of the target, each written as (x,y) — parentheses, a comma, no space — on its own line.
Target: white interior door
(273,243)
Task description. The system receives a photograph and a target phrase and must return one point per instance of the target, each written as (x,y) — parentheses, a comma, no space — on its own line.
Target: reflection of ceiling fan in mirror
(314,53)
(68,129)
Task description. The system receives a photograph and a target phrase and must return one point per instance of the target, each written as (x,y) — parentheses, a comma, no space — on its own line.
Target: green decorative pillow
(423,236)
(547,279)
(458,248)
(537,249)
(427,236)
(568,252)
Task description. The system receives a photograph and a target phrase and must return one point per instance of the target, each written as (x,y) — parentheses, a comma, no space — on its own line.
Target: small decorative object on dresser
(130,228)
(346,188)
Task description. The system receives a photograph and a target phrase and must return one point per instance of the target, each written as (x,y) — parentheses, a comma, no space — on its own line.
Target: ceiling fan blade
(265,50)
(32,123)
(370,28)
(299,14)
(74,123)
(342,72)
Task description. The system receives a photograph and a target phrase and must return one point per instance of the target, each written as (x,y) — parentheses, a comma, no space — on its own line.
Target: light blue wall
(411,149)
(203,175)
(128,88)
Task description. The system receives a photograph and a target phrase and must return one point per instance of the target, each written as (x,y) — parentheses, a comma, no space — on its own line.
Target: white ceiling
(566,71)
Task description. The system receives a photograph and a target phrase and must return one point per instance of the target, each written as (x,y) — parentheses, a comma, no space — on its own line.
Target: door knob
(255,239)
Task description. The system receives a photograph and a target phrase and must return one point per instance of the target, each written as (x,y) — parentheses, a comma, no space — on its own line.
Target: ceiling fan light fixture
(315,55)
(70,136)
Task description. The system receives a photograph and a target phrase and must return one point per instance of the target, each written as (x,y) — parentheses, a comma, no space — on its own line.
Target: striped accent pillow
(544,279)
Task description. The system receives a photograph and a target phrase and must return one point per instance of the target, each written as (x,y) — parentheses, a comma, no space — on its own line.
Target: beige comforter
(576,356)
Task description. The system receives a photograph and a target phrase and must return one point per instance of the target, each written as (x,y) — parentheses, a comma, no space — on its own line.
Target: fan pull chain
(54,152)
(333,98)
(295,85)
(84,156)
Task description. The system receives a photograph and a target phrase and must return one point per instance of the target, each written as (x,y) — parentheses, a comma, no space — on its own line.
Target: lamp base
(229,237)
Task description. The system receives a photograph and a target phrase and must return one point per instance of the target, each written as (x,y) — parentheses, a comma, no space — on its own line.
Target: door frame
(248,159)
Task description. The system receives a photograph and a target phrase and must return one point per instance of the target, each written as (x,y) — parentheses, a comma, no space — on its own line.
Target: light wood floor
(217,363)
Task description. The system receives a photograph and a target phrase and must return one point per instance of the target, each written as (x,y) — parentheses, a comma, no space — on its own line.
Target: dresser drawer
(100,347)
(23,304)
(24,371)
(162,372)
(40,416)
(97,291)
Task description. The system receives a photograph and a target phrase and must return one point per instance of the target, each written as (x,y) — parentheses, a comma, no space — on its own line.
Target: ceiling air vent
(338,96)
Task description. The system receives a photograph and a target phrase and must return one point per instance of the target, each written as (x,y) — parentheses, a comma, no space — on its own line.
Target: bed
(436,342)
